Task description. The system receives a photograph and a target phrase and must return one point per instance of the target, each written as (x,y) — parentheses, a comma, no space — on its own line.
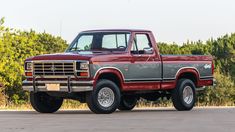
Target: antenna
(60,27)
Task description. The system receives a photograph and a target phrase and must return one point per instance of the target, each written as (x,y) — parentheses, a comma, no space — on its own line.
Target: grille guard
(67,85)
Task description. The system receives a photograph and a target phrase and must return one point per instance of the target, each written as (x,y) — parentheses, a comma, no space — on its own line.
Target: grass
(76,105)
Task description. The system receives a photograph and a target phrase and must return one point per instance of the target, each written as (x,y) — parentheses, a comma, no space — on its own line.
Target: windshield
(100,41)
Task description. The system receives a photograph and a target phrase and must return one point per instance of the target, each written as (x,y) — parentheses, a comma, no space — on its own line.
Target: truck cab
(113,69)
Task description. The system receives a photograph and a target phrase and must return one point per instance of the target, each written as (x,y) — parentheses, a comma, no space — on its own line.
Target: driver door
(144,66)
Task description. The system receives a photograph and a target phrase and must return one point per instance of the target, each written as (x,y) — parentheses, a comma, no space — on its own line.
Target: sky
(170,20)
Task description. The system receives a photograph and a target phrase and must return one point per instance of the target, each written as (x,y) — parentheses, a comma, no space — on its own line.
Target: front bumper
(64,86)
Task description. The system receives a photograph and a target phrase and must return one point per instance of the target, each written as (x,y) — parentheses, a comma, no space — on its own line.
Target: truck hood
(63,56)
(84,55)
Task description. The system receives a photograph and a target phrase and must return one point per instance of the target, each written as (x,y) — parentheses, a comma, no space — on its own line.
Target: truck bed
(199,66)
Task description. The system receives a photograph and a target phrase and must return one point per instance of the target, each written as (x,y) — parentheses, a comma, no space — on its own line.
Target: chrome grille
(53,68)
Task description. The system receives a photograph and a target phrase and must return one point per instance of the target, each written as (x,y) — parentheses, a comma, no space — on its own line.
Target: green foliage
(15,47)
(222,49)
(222,93)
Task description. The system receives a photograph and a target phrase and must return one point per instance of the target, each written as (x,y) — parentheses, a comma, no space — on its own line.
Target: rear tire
(127,103)
(44,103)
(105,97)
(183,96)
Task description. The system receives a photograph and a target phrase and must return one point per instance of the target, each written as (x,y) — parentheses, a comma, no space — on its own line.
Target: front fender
(109,70)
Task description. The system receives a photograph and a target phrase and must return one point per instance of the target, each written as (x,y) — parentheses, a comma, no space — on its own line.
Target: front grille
(53,68)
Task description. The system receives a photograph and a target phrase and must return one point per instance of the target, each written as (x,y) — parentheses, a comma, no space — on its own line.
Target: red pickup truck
(113,69)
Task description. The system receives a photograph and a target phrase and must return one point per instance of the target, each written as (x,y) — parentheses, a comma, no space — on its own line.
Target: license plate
(53,87)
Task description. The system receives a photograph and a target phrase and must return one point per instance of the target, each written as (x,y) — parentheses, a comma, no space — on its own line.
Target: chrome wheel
(188,95)
(106,97)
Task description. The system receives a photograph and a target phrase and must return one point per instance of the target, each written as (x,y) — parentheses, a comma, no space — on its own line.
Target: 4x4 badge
(207,66)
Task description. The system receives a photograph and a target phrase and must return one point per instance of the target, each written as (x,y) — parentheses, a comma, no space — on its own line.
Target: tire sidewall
(109,84)
(130,104)
(187,82)
(127,103)
(44,107)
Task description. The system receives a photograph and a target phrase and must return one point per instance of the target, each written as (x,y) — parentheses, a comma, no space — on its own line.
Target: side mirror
(148,50)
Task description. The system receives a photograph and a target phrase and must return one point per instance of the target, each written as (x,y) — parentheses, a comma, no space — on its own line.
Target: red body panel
(187,58)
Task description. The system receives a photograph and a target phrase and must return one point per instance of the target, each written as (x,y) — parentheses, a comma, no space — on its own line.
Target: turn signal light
(84,74)
(29,74)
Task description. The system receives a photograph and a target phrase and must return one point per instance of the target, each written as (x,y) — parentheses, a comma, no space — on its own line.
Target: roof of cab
(118,30)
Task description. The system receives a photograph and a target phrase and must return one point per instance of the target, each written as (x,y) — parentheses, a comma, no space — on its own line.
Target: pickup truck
(113,69)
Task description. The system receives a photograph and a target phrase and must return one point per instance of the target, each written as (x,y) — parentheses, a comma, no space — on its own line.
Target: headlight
(28,66)
(82,69)
(84,65)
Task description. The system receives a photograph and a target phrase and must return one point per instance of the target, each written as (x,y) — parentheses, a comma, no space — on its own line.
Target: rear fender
(191,70)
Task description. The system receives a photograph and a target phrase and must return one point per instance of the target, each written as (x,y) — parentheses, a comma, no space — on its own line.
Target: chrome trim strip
(165,79)
(62,88)
(80,82)
(151,81)
(115,68)
(140,80)
(201,78)
(56,76)
(168,80)
(207,77)
(52,61)
(144,79)
(187,68)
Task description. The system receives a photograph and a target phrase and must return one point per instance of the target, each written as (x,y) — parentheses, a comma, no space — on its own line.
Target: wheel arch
(189,73)
(112,74)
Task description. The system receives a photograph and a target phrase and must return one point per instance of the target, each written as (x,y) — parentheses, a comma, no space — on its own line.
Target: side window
(109,41)
(141,42)
(115,41)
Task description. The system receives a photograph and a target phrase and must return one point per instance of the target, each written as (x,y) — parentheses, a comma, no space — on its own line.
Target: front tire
(44,103)
(183,96)
(105,97)
(127,103)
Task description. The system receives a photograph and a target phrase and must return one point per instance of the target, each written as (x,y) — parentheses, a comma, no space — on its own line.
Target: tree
(15,47)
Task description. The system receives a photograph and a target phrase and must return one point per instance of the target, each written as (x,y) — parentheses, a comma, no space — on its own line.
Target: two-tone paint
(154,74)
(136,71)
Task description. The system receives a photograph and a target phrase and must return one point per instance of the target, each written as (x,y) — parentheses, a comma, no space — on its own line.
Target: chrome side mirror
(148,50)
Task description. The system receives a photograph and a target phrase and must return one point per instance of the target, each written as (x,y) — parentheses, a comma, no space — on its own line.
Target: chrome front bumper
(64,86)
